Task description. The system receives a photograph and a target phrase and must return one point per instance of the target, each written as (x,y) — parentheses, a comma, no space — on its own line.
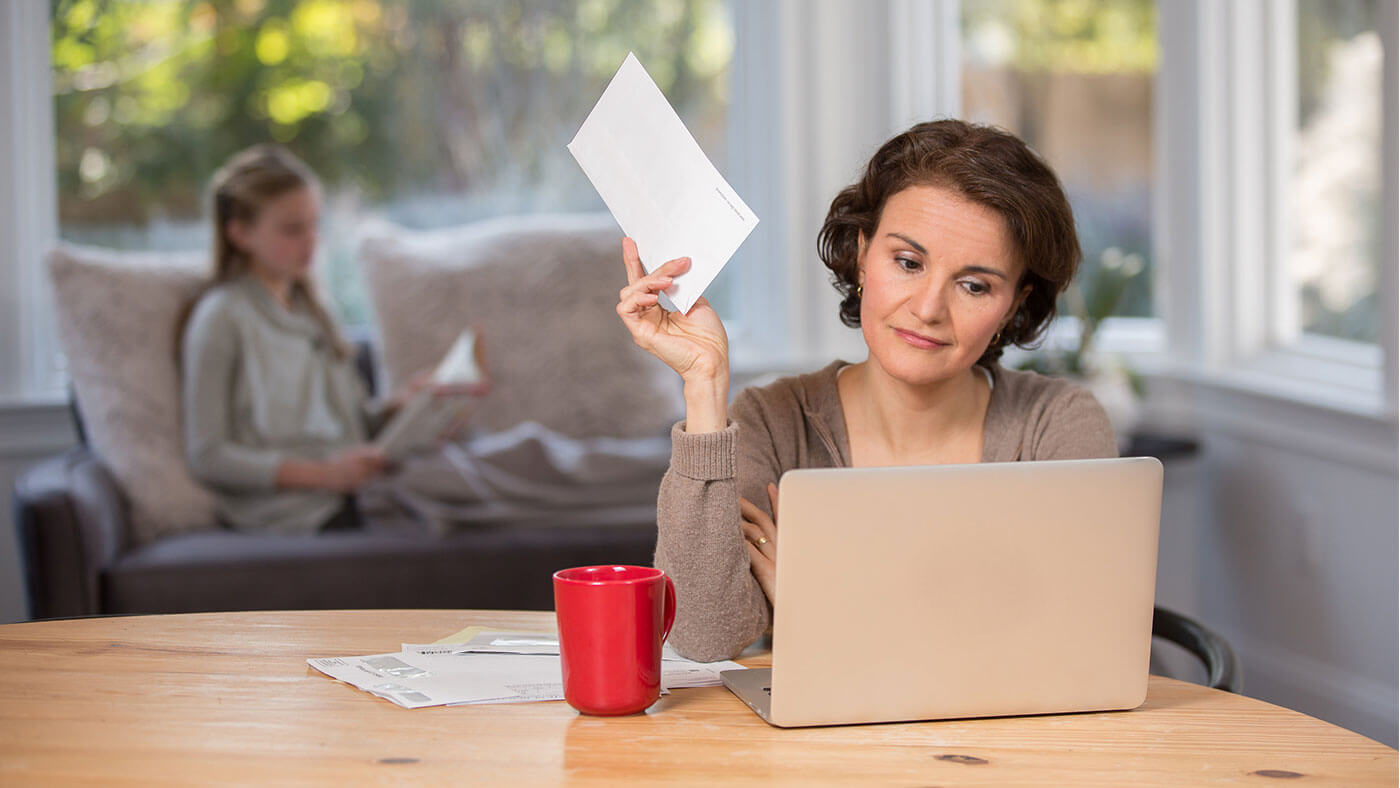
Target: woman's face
(280,242)
(940,279)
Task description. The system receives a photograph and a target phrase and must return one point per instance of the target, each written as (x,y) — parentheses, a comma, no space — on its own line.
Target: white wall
(28,199)
(1291,552)
(1299,569)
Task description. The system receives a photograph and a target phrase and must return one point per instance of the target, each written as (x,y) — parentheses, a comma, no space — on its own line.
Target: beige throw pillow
(542,293)
(117,314)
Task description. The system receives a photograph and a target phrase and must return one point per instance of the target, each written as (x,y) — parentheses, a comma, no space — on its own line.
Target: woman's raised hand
(692,344)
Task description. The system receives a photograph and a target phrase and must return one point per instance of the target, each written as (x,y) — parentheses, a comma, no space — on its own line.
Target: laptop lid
(964,590)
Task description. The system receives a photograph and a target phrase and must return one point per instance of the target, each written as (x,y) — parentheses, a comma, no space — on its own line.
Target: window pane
(1336,187)
(424,113)
(1074,78)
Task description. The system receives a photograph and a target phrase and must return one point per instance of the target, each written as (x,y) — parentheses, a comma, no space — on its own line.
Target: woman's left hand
(761,536)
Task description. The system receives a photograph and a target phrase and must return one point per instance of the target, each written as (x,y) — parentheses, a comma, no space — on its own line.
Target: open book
(423,419)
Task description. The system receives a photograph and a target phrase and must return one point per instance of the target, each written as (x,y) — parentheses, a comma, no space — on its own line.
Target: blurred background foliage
(390,98)
(1083,36)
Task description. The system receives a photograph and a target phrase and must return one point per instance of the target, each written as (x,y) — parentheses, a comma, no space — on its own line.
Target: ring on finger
(762,540)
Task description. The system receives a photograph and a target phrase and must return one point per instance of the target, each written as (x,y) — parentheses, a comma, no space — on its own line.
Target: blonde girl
(276,419)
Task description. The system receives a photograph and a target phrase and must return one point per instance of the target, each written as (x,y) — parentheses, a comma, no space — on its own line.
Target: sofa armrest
(71,519)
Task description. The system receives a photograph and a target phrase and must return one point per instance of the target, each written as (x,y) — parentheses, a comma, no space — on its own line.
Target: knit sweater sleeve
(720,608)
(209,364)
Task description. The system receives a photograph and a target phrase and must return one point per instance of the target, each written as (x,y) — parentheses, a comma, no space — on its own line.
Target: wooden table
(228,698)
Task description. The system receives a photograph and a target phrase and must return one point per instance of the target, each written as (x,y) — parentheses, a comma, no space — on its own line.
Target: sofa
(117,526)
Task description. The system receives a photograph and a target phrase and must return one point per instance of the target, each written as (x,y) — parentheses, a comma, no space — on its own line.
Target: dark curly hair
(985,165)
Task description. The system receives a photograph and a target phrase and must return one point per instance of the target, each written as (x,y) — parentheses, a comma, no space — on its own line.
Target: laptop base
(754,687)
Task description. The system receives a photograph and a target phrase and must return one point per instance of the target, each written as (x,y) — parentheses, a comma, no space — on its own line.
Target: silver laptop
(954,591)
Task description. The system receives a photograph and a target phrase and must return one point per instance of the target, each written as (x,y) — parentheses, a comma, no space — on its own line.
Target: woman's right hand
(694,344)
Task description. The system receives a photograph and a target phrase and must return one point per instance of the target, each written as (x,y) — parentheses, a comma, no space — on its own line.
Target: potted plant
(1092,298)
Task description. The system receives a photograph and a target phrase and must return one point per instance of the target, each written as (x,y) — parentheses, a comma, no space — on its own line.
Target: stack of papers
(487,666)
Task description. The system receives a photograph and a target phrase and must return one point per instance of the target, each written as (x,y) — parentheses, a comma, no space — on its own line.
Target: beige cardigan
(261,385)
(797,422)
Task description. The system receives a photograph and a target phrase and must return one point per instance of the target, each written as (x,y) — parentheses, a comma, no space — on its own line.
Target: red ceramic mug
(612,623)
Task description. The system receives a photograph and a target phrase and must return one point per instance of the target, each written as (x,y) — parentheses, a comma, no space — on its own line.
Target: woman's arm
(720,607)
(700,542)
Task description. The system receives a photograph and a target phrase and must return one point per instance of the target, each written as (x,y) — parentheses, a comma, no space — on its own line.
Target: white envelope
(659,185)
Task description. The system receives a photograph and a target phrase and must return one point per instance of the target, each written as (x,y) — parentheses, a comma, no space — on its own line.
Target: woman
(276,418)
(954,244)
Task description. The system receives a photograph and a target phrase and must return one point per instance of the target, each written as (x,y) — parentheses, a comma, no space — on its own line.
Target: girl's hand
(350,469)
(693,344)
(418,381)
(761,536)
(422,380)
(478,389)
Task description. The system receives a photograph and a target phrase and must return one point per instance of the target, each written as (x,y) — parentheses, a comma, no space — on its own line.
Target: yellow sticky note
(461,637)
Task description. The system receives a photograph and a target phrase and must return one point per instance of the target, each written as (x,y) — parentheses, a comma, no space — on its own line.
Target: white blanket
(528,473)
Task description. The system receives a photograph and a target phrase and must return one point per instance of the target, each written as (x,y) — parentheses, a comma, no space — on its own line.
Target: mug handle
(669,616)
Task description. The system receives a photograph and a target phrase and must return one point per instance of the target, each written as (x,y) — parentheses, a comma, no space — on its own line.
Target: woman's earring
(860,290)
(996,337)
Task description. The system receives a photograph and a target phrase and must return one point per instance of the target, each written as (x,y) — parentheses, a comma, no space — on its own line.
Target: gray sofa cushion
(118,315)
(484,567)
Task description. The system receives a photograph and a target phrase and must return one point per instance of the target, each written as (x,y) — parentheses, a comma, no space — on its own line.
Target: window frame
(30,363)
(1226,106)
(752,168)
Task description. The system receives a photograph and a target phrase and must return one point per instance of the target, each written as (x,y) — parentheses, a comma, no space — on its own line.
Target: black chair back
(1214,652)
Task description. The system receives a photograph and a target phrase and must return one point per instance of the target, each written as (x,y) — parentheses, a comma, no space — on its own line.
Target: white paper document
(459,365)
(676,671)
(517,667)
(659,185)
